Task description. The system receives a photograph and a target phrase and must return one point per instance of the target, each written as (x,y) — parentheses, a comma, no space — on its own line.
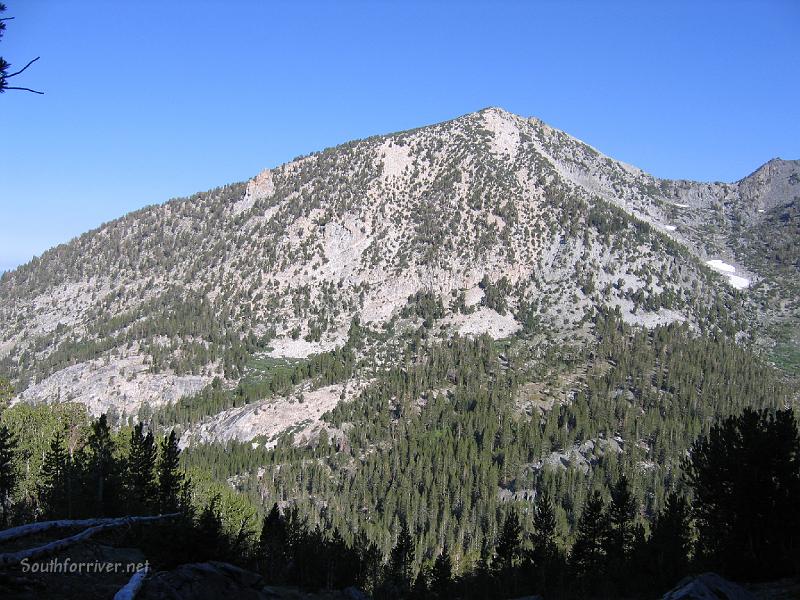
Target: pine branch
(23,89)
(22,70)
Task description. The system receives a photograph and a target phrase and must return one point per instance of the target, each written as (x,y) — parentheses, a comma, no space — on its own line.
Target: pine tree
(103,469)
(544,531)
(421,588)
(53,488)
(442,576)
(369,561)
(588,553)
(272,546)
(211,543)
(170,479)
(621,535)
(509,546)
(484,569)
(746,480)
(8,473)
(544,557)
(621,514)
(6,392)
(141,471)
(399,570)
(508,554)
(669,546)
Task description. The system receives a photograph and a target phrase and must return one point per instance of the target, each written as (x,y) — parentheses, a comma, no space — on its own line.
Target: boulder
(217,580)
(203,581)
(708,586)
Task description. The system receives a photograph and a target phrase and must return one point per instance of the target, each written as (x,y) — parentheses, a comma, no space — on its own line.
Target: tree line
(738,517)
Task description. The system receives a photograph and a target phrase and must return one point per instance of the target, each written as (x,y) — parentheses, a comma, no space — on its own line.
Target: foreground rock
(214,580)
(708,586)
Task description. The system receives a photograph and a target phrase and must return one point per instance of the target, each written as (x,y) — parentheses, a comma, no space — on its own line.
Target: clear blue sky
(151,100)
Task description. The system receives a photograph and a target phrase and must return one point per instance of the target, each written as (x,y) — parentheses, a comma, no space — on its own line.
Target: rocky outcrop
(708,586)
(217,580)
(201,581)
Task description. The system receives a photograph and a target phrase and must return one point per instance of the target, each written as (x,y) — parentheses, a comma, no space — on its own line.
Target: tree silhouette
(746,479)
(544,556)
(588,552)
(141,471)
(4,65)
(509,553)
(670,542)
(8,473)
(6,390)
(621,514)
(170,479)
(103,473)
(399,570)
(53,486)
(442,576)
(272,546)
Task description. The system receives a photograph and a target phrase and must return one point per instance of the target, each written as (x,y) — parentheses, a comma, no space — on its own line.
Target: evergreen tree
(588,553)
(272,546)
(103,470)
(141,471)
(509,553)
(170,479)
(746,479)
(544,557)
(341,562)
(210,542)
(485,568)
(399,570)
(544,531)
(6,392)
(8,473)
(669,546)
(296,540)
(421,588)
(369,563)
(619,543)
(509,546)
(54,490)
(442,576)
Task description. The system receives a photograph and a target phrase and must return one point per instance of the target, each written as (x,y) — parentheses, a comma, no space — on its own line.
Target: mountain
(401,343)
(487,224)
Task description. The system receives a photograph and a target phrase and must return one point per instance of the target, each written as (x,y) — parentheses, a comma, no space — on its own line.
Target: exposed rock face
(299,413)
(120,385)
(147,308)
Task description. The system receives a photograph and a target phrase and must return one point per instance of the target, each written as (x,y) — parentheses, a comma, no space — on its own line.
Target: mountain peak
(376,230)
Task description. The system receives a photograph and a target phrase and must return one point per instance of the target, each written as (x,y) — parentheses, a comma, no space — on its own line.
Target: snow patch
(739,283)
(670,227)
(735,281)
(721,266)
